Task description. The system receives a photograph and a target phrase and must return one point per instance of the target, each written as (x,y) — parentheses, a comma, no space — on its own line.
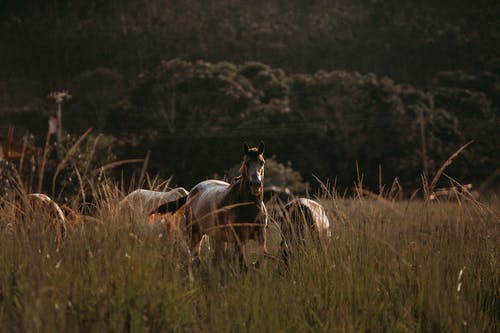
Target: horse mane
(253,152)
(236,179)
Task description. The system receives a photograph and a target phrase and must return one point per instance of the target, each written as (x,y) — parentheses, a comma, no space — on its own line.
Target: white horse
(303,216)
(311,213)
(154,206)
(37,203)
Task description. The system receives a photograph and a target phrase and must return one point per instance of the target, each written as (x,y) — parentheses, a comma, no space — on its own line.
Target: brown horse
(230,212)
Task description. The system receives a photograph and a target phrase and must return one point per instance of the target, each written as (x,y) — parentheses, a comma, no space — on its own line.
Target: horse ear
(261,148)
(245,148)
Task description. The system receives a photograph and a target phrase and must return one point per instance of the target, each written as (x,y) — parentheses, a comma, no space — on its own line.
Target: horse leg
(263,242)
(242,257)
(220,249)
(195,242)
(261,238)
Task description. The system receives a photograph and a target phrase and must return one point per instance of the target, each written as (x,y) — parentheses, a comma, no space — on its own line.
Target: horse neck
(239,191)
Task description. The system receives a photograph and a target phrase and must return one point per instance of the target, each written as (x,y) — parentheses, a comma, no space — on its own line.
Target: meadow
(391,266)
(370,90)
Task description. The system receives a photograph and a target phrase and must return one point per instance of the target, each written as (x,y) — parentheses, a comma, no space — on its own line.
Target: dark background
(395,86)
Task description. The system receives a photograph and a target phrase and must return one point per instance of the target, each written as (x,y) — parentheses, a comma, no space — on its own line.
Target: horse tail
(171,206)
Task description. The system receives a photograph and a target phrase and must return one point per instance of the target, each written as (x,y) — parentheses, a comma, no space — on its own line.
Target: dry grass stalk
(70,152)
(414,194)
(150,182)
(381,187)
(23,153)
(144,167)
(32,172)
(396,190)
(91,156)
(444,166)
(80,182)
(359,182)
(466,194)
(131,185)
(44,161)
(326,188)
(380,198)
(116,164)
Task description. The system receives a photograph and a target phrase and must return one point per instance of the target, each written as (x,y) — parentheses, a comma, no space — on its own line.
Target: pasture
(408,266)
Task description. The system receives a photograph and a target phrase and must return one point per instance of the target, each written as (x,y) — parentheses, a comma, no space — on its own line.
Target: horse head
(252,169)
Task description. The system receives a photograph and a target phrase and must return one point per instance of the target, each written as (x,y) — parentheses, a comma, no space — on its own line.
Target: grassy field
(409,266)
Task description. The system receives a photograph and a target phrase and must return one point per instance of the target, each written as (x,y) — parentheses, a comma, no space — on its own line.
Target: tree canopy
(395,86)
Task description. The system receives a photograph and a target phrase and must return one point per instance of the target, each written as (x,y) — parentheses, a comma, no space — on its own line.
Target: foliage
(332,120)
(63,171)
(98,92)
(283,175)
(8,179)
(183,96)
(406,40)
(372,122)
(325,122)
(473,98)
(430,73)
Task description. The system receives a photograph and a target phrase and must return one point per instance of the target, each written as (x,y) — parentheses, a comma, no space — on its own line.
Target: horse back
(311,213)
(203,203)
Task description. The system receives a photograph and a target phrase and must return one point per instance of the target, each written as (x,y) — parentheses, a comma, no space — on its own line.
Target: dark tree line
(409,41)
(327,122)
(429,82)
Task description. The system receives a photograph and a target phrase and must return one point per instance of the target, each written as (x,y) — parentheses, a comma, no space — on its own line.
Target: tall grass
(409,266)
